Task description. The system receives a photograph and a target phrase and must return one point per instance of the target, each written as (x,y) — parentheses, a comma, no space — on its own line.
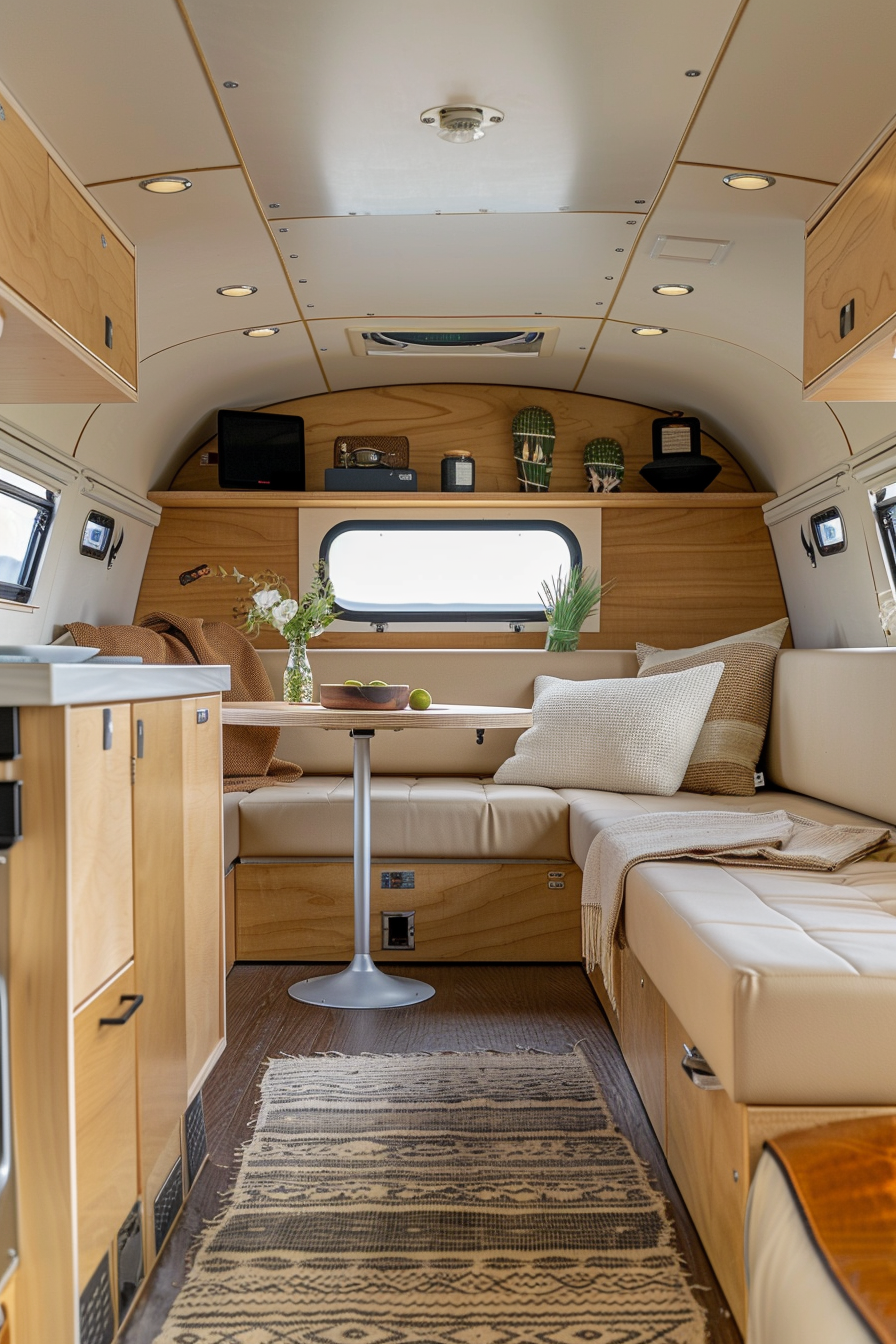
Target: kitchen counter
(92,683)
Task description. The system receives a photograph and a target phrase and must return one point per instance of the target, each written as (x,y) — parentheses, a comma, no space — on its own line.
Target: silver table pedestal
(361,984)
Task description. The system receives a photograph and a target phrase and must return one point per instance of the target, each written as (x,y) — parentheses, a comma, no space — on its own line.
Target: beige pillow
(728,748)
(618,734)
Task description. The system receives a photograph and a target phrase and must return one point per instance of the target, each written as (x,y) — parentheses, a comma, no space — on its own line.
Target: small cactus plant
(533,447)
(604,465)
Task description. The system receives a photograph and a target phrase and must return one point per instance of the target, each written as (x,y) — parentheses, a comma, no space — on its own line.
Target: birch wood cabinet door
(159,945)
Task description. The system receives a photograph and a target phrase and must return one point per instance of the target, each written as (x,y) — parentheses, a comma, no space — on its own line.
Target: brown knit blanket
(162,637)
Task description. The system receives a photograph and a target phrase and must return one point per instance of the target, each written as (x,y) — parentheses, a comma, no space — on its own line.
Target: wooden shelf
(338,499)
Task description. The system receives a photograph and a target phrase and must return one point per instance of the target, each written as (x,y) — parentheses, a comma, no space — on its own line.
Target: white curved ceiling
(531,223)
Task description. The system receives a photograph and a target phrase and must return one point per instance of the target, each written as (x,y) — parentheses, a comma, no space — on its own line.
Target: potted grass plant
(568,600)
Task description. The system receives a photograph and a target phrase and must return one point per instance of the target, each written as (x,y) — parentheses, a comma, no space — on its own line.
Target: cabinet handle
(107,729)
(699,1072)
(134,1000)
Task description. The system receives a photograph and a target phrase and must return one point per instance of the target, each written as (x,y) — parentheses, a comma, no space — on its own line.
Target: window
(883,503)
(26,511)
(451,571)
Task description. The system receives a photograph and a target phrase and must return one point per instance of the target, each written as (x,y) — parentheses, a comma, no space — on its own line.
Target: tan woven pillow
(730,742)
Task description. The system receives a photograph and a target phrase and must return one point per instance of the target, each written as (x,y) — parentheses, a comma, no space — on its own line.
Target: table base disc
(361,985)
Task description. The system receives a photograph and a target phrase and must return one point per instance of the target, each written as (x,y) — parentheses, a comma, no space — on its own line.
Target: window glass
(26,511)
(884,504)
(407,571)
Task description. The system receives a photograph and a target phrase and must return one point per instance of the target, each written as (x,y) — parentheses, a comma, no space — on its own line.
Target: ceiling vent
(707,251)
(505,343)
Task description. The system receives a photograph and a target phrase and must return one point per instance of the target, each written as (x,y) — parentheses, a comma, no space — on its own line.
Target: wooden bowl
(364,697)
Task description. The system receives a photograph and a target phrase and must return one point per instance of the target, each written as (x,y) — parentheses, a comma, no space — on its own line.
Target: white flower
(266,599)
(284,612)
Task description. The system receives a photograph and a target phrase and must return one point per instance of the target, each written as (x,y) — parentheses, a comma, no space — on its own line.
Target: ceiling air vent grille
(503,343)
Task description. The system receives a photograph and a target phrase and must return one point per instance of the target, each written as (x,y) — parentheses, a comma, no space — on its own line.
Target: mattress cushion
(232,827)
(590,810)
(432,818)
(786,981)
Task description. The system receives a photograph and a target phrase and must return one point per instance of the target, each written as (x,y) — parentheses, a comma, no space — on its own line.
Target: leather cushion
(232,827)
(787,981)
(432,818)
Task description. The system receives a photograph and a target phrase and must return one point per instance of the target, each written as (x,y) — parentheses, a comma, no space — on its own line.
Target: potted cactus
(533,447)
(604,465)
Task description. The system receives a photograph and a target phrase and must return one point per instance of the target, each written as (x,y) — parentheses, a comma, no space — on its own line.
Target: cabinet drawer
(851,258)
(203,893)
(707,1150)
(105,1122)
(24,210)
(102,891)
(93,279)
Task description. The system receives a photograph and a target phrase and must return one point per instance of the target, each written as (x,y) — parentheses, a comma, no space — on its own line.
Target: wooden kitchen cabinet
(64,270)
(122,831)
(850,307)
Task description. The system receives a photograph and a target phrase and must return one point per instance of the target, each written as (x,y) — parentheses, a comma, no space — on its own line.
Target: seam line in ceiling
(739,168)
(210,336)
(168,172)
(720,340)
(720,55)
(191,31)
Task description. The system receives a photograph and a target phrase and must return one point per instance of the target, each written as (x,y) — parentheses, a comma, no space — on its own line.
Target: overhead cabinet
(850,312)
(67,281)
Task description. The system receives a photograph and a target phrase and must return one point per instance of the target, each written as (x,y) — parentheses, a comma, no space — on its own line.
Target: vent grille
(705,251)
(500,343)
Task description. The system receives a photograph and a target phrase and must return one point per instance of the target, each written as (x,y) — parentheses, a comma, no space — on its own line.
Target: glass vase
(297,683)
(561,641)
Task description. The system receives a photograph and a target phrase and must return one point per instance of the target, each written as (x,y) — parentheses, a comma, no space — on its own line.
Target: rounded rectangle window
(446,570)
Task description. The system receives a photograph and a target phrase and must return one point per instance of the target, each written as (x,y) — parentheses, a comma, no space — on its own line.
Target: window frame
(45,510)
(449,616)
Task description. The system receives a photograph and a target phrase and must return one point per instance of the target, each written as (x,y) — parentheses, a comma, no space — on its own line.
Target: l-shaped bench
(785,982)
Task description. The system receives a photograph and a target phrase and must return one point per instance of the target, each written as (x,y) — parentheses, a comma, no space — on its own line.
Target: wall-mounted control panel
(96,536)
(829,531)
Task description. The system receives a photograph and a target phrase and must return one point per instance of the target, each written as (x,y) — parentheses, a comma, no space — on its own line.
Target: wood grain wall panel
(251,539)
(684,574)
(24,211)
(440,416)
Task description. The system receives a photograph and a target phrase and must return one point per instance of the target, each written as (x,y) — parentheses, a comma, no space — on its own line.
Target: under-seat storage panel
(303,911)
(644,1039)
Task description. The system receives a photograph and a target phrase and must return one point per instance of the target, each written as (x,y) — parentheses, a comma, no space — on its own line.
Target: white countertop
(92,683)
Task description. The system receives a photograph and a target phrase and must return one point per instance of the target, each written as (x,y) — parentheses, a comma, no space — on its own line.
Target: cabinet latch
(133,770)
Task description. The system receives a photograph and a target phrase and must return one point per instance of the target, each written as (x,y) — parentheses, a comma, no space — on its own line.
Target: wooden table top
(278,714)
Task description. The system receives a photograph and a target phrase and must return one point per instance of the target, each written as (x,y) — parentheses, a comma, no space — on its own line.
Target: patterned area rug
(437,1199)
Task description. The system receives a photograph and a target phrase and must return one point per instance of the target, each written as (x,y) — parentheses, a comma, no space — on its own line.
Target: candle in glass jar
(458,471)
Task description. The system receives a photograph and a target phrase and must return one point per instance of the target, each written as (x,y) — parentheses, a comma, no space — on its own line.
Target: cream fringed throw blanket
(756,840)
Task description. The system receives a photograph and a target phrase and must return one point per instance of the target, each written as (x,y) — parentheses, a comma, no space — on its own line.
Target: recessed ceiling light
(461,124)
(237,291)
(261,331)
(650,331)
(749,181)
(673,291)
(166,186)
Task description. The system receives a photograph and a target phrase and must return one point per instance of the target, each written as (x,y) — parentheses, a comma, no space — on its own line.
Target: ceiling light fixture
(237,291)
(749,181)
(261,331)
(673,291)
(461,123)
(692,74)
(166,186)
(650,331)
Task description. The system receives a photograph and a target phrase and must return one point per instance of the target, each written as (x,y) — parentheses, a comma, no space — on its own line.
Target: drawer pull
(699,1072)
(134,1000)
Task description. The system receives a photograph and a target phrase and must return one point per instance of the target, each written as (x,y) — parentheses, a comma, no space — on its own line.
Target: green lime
(419,699)
(353,683)
(377,683)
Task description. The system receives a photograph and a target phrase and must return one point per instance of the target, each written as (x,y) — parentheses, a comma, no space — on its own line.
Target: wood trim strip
(322,499)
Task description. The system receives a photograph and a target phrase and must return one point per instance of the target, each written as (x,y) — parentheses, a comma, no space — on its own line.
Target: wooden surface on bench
(844,1179)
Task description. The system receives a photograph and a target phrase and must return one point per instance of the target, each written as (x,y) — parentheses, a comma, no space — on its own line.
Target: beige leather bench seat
(787,981)
(446,818)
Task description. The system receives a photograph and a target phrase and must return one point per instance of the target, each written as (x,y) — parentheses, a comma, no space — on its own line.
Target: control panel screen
(830,534)
(97,535)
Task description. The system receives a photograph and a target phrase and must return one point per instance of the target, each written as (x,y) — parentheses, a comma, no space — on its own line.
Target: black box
(369,478)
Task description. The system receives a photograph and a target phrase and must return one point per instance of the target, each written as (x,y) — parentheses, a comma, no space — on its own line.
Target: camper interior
(447,642)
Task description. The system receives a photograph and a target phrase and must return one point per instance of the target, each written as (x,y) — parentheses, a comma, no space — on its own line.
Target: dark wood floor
(475,1008)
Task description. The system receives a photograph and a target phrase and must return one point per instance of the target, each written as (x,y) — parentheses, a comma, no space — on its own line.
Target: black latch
(110,332)
(10,812)
(10,749)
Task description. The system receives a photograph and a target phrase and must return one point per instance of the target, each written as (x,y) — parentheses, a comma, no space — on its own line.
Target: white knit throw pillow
(624,735)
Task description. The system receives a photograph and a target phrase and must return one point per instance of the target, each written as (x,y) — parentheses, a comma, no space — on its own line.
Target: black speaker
(260,452)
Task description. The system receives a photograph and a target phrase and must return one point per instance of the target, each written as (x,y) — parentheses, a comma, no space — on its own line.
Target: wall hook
(808,548)
(113,550)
